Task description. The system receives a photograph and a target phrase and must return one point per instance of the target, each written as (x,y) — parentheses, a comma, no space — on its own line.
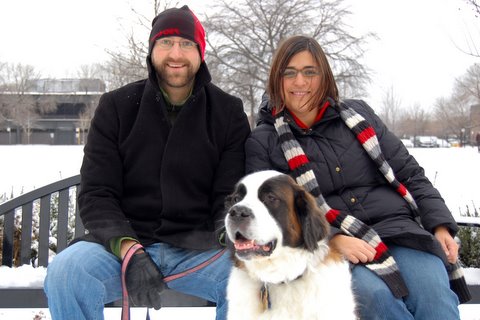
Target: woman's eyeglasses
(309,72)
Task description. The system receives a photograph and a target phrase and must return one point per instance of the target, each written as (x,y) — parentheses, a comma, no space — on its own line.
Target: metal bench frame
(35,297)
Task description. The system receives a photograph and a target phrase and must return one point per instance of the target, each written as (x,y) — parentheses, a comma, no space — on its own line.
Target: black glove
(144,281)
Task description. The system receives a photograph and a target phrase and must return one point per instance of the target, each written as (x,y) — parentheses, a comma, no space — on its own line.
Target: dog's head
(268,212)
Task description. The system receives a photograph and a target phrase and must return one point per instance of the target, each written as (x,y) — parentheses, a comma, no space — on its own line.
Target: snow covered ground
(454,171)
(197,313)
(467,312)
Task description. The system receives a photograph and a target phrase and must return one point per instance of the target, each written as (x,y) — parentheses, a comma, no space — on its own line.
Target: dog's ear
(314,225)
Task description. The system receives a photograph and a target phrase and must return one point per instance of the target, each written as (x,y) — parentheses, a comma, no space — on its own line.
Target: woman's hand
(449,244)
(354,249)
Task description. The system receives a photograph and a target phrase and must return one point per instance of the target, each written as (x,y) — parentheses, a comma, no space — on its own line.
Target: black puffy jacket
(350,181)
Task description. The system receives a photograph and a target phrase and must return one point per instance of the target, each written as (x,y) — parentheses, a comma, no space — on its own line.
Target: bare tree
(17,104)
(243,35)
(129,63)
(476,7)
(470,45)
(443,113)
(84,119)
(390,111)
(3,67)
(417,119)
(467,87)
(91,71)
(453,114)
(46,104)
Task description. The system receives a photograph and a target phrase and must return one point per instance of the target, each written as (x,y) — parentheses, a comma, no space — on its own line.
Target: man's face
(177,65)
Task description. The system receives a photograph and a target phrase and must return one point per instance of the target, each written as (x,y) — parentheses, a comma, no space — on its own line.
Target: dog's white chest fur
(278,236)
(322,293)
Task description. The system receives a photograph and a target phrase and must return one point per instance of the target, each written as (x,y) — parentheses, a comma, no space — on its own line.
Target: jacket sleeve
(101,178)
(231,167)
(433,211)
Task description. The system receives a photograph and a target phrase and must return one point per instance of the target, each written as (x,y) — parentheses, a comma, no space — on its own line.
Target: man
(162,153)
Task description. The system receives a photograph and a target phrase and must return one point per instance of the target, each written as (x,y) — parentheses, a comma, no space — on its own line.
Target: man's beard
(175,78)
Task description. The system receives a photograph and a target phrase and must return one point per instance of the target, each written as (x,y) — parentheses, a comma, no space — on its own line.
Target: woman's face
(301,81)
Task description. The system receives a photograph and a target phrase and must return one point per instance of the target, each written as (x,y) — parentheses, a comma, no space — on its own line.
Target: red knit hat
(178,22)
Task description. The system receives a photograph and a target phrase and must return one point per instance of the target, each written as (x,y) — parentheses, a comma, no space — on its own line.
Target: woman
(361,174)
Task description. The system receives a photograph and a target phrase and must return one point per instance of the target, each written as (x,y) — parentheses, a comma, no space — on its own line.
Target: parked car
(454,143)
(442,143)
(407,142)
(425,142)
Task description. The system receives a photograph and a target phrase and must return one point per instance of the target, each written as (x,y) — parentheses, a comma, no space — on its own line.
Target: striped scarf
(383,264)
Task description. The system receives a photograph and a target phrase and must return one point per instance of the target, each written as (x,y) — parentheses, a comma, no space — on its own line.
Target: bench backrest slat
(44,231)
(7,244)
(79,228)
(42,202)
(62,228)
(26,244)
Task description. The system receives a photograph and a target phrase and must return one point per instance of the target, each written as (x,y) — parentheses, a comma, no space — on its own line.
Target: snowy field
(467,312)
(184,313)
(454,171)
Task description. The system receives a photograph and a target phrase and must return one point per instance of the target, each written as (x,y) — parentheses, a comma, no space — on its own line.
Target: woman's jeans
(84,277)
(429,296)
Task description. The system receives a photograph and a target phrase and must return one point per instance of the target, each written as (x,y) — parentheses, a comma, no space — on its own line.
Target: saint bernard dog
(283,266)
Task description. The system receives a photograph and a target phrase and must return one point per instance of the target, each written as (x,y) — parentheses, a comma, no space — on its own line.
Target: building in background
(48,111)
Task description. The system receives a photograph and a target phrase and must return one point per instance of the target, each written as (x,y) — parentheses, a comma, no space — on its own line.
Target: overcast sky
(416,53)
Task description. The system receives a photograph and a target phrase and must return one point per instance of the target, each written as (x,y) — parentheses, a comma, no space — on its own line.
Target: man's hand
(144,281)
(354,249)
(449,245)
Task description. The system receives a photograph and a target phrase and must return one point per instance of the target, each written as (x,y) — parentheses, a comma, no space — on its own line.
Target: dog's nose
(240,213)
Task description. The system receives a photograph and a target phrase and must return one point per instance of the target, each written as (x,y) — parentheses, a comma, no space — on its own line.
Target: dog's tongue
(244,244)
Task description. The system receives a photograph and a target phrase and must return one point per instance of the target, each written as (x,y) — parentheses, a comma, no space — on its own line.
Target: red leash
(126,260)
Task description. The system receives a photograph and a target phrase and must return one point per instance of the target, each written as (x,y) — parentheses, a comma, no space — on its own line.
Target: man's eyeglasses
(167,44)
(291,73)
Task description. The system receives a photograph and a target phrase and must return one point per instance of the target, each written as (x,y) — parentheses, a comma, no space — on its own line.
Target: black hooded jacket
(350,181)
(141,177)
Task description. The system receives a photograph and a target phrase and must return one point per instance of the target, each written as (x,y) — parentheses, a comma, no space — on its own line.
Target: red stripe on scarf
(402,190)
(331,215)
(297,161)
(381,249)
(366,134)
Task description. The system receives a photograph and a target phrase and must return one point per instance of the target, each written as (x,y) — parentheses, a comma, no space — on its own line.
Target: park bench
(55,205)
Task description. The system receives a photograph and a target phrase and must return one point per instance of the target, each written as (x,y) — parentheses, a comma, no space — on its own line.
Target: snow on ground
(455,172)
(24,168)
(467,312)
(183,313)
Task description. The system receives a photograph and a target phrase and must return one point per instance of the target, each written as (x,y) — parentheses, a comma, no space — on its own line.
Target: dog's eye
(233,199)
(270,198)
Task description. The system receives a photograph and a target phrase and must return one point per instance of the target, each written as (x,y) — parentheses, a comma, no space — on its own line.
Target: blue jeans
(84,277)
(430,297)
